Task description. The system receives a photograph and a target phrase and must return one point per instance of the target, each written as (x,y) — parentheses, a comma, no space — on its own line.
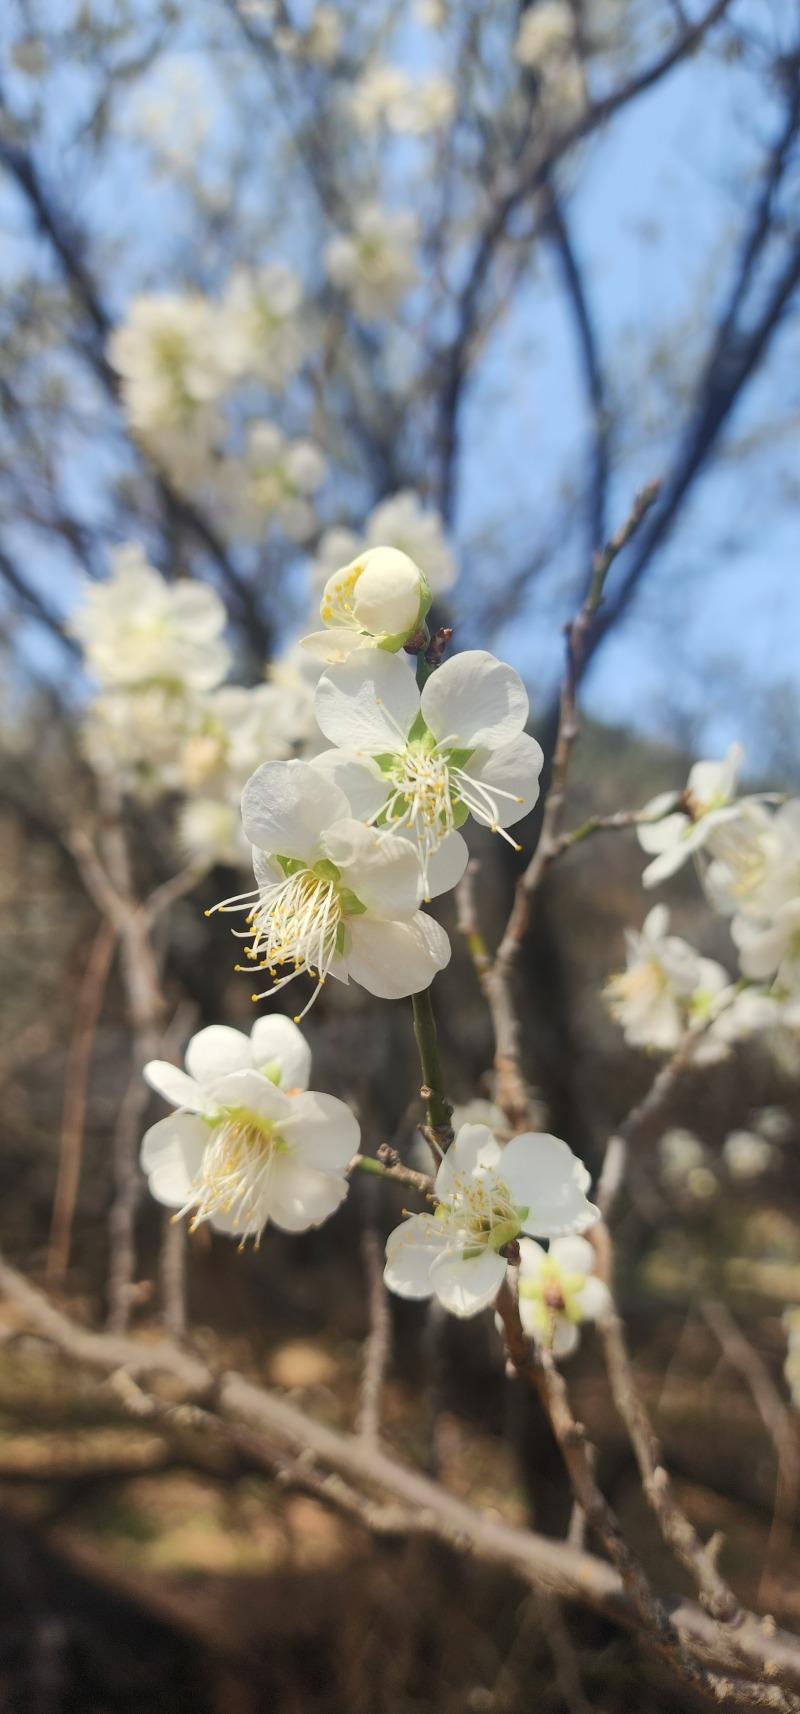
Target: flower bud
(378,601)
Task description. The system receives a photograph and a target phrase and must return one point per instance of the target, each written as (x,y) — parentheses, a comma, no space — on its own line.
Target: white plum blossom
(558,1290)
(333,898)
(411,527)
(486,1196)
(665,989)
(374,263)
(379,601)
(696,813)
(754,865)
(546,29)
(771,950)
(166,355)
(249,1143)
(234,728)
(683,1165)
(210,831)
(136,735)
(138,629)
(423,762)
(547,45)
(416,530)
(746,1155)
(389,96)
(260,332)
(275,480)
(296,673)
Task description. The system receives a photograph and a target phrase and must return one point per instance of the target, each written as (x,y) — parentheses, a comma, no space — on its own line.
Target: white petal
(358,777)
(513,767)
(466,1287)
(411,1250)
(656,923)
(250,1090)
(382,870)
(171,1156)
(287,805)
(566,1337)
(575,1255)
(300,1196)
(474,1152)
(394,959)
(545,1177)
(368,702)
(335,644)
(446,864)
(475,699)
(276,1041)
(215,1051)
(531,1258)
(321,1131)
(594,1299)
(174,1085)
(662,835)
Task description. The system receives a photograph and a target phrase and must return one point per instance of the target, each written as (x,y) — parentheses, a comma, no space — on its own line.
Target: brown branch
(378,1342)
(391,1167)
(511,1090)
(285,1431)
(87,1014)
(715,1594)
(776,1417)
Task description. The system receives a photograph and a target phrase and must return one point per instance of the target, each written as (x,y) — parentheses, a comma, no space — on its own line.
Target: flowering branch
(496,978)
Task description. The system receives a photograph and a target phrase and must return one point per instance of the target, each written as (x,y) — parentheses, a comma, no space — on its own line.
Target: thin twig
(778,1422)
(378,1341)
(511,1091)
(544,1563)
(87,1014)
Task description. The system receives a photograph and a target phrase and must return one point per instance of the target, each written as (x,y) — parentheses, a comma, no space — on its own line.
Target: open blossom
(665,988)
(705,805)
(424,762)
(166,355)
(259,330)
(558,1290)
(379,601)
(137,629)
(249,1143)
(374,263)
(486,1196)
(333,898)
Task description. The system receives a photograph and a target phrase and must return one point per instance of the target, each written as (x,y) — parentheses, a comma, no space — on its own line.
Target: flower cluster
(162,720)
(485,1197)
(747,853)
(249,1143)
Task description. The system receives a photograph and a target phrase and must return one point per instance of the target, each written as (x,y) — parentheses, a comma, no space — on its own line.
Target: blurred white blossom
(138,629)
(746,1155)
(665,988)
(558,1291)
(374,263)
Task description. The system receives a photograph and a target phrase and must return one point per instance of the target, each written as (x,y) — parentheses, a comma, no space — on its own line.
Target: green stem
(438,1107)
